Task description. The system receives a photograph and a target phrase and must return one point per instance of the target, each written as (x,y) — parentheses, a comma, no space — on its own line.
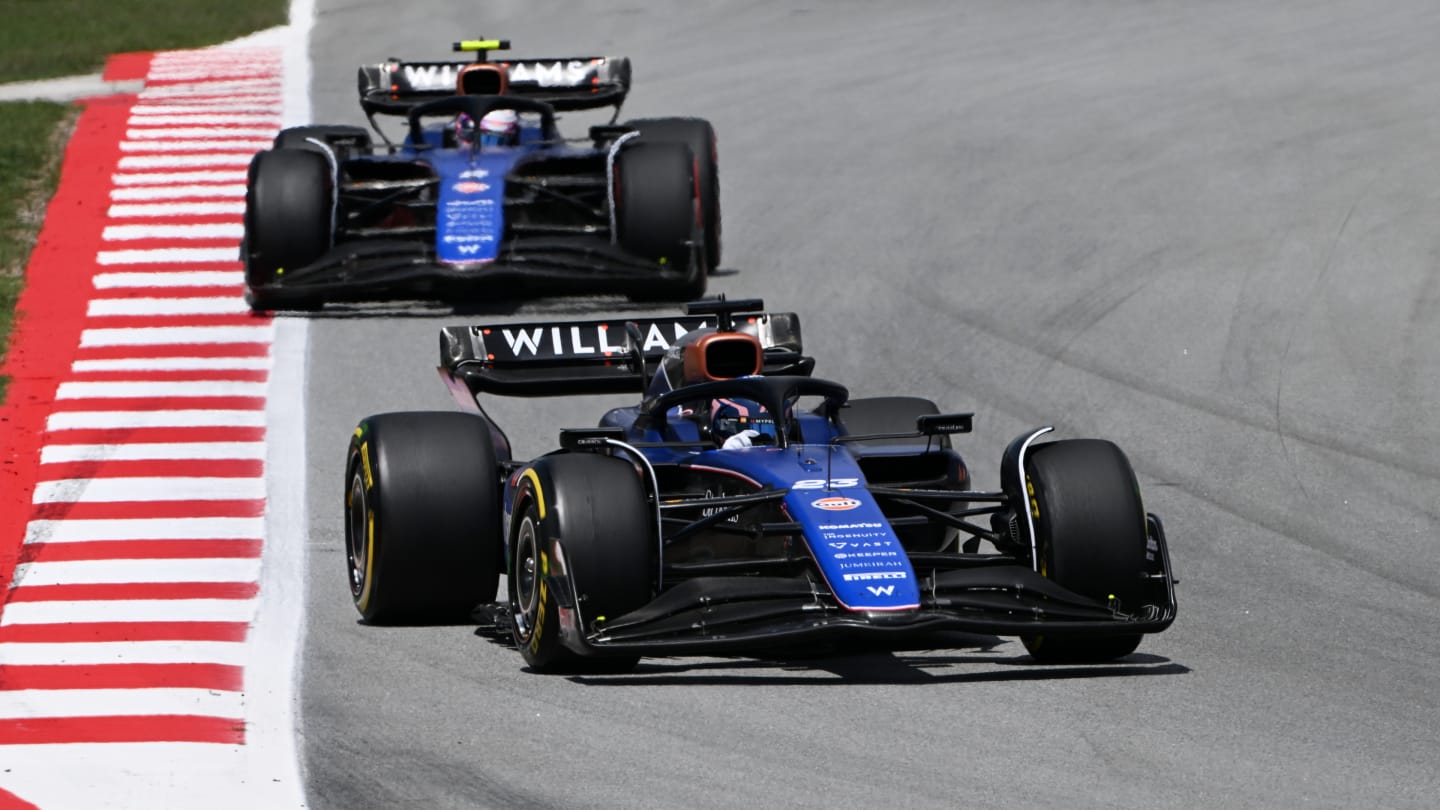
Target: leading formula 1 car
(461,209)
(645,536)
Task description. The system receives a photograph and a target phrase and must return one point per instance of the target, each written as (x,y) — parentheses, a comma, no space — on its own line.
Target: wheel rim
(525,580)
(357,534)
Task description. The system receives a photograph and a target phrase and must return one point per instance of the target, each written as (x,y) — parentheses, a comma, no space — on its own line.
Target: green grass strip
(32,144)
(42,39)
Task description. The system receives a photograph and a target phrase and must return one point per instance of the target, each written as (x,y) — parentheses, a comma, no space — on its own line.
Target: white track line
(245,147)
(180,389)
(184,161)
(177,178)
(179,192)
(263,134)
(218,89)
(29,703)
(121,307)
(190,117)
(94,572)
(130,233)
(229,653)
(108,420)
(168,336)
(171,278)
(151,451)
(169,256)
(172,364)
(88,530)
(195,209)
(148,489)
(128,610)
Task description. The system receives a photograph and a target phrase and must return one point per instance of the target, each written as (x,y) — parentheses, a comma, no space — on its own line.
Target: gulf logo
(835,503)
(470,187)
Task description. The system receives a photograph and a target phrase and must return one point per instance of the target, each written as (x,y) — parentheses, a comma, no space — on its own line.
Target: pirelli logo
(876,575)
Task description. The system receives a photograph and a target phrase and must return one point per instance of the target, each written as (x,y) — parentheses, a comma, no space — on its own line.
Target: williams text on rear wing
(584,357)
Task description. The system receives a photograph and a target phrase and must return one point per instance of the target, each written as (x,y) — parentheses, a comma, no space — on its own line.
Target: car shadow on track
(891,669)
(533,307)
(941,658)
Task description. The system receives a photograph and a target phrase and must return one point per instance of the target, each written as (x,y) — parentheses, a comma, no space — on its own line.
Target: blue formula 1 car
(482,198)
(743,505)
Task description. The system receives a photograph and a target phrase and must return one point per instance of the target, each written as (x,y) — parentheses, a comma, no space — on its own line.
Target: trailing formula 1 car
(482,197)
(743,505)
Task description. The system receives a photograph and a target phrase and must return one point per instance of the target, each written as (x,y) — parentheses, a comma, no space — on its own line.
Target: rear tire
(656,216)
(598,521)
(422,528)
(699,135)
(1091,537)
(288,208)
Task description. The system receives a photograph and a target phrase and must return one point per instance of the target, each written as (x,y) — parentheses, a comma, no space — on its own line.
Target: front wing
(732,614)
(399,269)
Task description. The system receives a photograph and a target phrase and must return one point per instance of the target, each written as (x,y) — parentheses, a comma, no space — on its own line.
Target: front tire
(422,528)
(590,523)
(657,216)
(289,204)
(699,135)
(1091,537)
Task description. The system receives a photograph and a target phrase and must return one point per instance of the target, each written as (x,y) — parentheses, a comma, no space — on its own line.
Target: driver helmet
(500,128)
(465,130)
(731,416)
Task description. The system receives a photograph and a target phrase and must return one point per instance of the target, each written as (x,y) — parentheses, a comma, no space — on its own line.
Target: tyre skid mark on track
(1271,516)
(1327,438)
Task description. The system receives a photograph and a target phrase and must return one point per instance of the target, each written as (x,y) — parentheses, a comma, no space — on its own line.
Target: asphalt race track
(1206,231)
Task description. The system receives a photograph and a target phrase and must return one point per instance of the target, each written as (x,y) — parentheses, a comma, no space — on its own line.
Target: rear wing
(614,356)
(577,83)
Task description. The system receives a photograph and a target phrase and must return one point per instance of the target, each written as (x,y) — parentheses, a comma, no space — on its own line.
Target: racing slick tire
(1091,537)
(656,216)
(288,208)
(699,135)
(340,138)
(422,517)
(590,517)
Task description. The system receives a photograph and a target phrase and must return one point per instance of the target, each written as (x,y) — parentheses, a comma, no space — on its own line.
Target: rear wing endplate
(577,83)
(611,356)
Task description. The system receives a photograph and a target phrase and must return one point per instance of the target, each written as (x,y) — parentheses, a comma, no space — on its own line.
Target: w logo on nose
(881,590)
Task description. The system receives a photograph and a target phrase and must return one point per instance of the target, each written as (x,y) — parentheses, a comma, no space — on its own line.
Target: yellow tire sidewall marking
(534,479)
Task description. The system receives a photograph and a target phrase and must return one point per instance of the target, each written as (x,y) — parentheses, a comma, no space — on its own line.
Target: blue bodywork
(860,518)
(852,542)
(470,209)
(435,216)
